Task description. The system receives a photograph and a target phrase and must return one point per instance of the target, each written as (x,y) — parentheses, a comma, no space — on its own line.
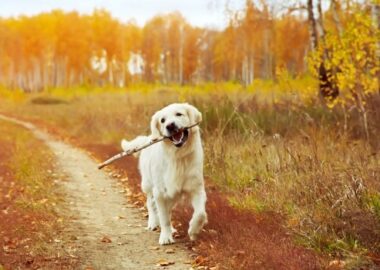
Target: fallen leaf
(29,261)
(43,201)
(164,262)
(8,248)
(240,252)
(169,251)
(25,240)
(213,232)
(336,265)
(106,239)
(177,235)
(199,260)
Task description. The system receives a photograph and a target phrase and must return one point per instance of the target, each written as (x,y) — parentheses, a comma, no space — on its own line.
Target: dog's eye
(178,114)
(162,120)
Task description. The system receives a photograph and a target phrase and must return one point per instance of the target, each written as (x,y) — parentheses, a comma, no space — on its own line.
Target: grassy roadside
(290,157)
(28,204)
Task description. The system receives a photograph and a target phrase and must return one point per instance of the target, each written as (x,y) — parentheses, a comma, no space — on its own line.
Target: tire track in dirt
(101,212)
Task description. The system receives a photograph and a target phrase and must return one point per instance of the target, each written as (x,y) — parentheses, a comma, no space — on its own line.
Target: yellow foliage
(352,57)
(14,95)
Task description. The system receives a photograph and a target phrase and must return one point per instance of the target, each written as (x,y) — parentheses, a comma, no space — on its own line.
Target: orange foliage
(65,49)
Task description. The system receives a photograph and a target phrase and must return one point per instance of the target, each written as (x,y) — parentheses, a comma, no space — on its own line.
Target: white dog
(172,168)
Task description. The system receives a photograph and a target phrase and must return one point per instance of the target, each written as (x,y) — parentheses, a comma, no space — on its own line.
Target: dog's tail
(135,143)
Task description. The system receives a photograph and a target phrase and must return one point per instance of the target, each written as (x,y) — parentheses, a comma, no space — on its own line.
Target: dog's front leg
(199,219)
(152,212)
(164,207)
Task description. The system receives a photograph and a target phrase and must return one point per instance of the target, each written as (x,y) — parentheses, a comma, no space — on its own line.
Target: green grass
(373,203)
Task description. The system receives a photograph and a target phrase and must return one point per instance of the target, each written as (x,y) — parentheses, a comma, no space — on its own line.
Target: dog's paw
(196,225)
(193,237)
(193,233)
(152,225)
(166,239)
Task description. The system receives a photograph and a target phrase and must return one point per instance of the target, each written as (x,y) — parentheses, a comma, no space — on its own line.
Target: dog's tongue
(177,136)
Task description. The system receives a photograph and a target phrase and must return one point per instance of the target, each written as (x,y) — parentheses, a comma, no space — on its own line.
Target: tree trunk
(312,26)
(266,53)
(376,23)
(244,71)
(328,89)
(334,8)
(251,68)
(180,55)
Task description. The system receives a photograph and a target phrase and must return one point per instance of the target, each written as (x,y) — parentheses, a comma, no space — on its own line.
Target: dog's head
(171,120)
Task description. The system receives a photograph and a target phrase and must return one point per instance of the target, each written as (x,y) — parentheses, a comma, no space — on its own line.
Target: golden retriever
(172,168)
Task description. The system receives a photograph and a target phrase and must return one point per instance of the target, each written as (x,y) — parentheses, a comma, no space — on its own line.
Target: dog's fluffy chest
(179,176)
(169,173)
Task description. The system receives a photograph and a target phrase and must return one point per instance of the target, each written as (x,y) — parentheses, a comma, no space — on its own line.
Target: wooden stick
(137,149)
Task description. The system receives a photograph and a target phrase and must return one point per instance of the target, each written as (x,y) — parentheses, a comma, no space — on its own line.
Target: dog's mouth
(179,138)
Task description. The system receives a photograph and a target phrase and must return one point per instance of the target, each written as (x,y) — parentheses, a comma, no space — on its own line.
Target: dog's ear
(154,125)
(193,113)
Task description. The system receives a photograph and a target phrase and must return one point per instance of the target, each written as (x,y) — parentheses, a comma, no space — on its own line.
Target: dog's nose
(171,127)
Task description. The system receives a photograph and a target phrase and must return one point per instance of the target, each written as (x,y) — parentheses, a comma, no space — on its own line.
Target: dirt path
(102,213)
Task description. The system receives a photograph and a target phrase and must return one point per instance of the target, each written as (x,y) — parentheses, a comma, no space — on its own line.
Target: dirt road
(109,232)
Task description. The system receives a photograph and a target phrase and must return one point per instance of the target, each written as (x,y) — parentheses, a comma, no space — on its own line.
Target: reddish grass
(22,230)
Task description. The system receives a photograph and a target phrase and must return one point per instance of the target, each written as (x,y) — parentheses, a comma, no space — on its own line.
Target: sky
(203,13)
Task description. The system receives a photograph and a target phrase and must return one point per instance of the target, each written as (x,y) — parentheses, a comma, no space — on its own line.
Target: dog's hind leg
(199,219)
(152,213)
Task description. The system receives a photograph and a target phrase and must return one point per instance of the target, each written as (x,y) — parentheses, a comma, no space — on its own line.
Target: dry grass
(306,162)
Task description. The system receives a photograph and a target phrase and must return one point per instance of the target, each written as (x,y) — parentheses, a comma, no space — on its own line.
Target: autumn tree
(354,54)
(191,53)
(132,39)
(293,31)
